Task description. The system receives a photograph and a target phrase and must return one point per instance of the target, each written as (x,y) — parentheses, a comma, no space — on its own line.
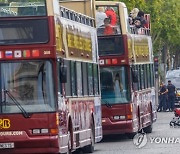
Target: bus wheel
(90,148)
(69,143)
(148,129)
(131,135)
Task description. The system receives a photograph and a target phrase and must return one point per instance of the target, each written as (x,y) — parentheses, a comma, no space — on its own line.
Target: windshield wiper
(107,103)
(25,114)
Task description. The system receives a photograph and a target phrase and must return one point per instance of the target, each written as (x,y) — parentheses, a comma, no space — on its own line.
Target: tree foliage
(165,21)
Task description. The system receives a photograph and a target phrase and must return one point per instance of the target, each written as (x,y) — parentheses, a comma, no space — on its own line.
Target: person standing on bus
(162,97)
(111,14)
(117,86)
(133,14)
(100,16)
(171,95)
(140,17)
(108,29)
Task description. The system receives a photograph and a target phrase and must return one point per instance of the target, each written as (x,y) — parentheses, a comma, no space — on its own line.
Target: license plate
(6,145)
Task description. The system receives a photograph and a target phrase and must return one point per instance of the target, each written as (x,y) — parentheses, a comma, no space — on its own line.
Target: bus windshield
(30,84)
(9,8)
(114,85)
(23,31)
(111,45)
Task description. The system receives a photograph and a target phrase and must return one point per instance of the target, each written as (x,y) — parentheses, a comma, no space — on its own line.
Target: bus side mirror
(63,74)
(135,76)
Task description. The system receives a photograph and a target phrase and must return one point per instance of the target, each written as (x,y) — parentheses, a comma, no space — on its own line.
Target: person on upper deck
(133,14)
(111,14)
(100,16)
(140,17)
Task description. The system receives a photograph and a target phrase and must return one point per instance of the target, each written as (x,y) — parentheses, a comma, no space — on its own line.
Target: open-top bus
(49,97)
(126,73)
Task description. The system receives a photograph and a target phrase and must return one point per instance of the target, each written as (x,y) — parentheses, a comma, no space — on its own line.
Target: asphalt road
(163,140)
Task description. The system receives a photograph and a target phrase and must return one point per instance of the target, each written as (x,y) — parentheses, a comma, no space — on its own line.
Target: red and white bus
(126,73)
(49,79)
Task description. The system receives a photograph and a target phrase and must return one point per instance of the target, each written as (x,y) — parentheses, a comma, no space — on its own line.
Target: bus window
(142,76)
(134,77)
(152,75)
(85,79)
(90,79)
(145,76)
(79,78)
(149,75)
(23,31)
(96,79)
(25,8)
(114,85)
(68,83)
(73,79)
(110,46)
(31,85)
(107,20)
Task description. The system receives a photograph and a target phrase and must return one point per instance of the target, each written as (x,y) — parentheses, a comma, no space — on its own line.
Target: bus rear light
(108,61)
(119,117)
(122,117)
(44,131)
(116,117)
(35,53)
(54,131)
(129,116)
(40,131)
(114,61)
(36,131)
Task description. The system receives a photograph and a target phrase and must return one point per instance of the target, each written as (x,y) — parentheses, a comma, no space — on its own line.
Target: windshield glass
(30,83)
(14,8)
(23,31)
(114,85)
(112,45)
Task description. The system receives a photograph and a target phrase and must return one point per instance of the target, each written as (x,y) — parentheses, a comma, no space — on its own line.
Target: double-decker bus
(126,72)
(49,78)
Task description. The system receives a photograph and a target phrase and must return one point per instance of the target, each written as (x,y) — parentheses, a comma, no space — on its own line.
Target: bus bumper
(41,144)
(118,127)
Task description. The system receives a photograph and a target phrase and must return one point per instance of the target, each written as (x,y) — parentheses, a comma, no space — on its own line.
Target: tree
(165,24)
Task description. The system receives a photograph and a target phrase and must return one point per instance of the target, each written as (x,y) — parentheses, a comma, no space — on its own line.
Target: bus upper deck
(112,19)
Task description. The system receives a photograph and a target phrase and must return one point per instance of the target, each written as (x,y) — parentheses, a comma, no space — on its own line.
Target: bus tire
(149,128)
(131,135)
(90,148)
(69,143)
